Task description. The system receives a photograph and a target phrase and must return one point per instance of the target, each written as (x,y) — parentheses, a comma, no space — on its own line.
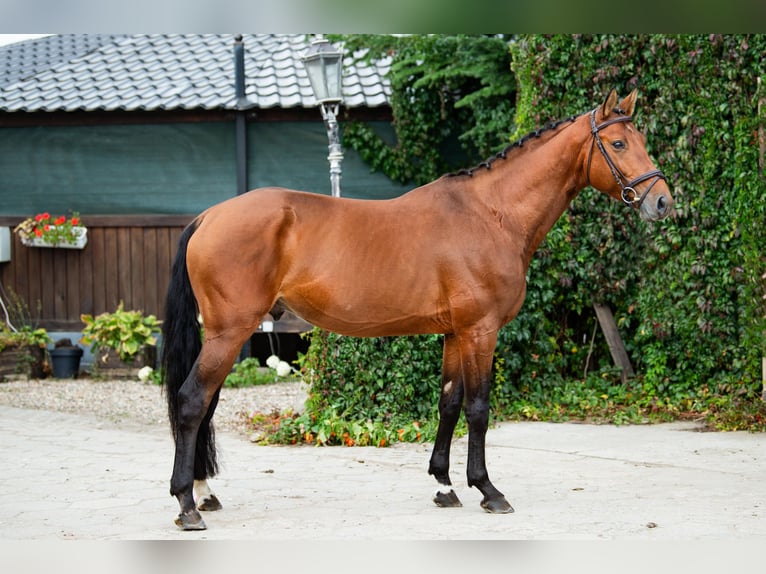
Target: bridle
(629,194)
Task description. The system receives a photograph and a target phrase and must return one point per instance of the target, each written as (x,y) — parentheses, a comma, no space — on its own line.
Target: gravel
(128,401)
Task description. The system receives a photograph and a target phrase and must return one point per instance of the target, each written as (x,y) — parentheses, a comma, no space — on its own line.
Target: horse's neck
(535,187)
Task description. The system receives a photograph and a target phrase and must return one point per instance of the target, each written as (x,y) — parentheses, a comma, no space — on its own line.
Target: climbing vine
(687,293)
(452,102)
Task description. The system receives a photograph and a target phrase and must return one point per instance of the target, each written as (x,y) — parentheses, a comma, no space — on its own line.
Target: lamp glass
(324,67)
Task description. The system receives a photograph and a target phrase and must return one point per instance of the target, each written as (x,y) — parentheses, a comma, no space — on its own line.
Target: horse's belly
(368,318)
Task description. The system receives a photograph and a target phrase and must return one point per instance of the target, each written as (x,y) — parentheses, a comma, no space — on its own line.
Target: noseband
(629,194)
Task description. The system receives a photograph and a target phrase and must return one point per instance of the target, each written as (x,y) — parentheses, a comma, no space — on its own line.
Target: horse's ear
(628,105)
(609,104)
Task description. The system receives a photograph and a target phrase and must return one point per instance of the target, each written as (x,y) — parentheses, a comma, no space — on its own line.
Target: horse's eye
(618,145)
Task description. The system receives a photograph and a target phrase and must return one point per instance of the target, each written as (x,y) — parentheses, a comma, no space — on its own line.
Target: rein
(629,194)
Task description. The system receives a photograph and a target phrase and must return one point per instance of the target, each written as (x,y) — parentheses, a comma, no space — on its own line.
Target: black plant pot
(66,362)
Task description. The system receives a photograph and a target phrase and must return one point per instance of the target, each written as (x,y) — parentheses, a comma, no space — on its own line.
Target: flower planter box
(28,362)
(107,363)
(79,242)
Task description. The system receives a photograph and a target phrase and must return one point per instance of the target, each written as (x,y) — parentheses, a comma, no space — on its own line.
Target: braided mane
(517,144)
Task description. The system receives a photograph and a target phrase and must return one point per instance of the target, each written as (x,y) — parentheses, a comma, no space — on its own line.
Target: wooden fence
(127,258)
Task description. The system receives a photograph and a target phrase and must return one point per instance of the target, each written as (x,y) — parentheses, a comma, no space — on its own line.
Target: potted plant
(42,230)
(121,342)
(65,359)
(22,352)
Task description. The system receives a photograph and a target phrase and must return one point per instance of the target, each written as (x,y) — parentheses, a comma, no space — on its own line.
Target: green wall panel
(116,169)
(294,155)
(166,168)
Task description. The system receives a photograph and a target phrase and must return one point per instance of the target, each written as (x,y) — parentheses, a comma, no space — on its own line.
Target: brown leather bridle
(629,194)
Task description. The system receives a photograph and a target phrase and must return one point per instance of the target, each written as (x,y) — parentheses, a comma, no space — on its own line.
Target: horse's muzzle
(658,205)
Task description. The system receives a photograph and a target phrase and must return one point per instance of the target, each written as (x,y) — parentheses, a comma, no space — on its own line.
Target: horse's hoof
(190,520)
(497,505)
(210,503)
(447,499)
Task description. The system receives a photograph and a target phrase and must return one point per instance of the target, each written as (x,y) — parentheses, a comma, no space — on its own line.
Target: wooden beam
(614,340)
(761,127)
(763,375)
(147,220)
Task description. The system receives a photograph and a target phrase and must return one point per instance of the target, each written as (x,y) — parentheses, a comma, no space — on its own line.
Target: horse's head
(618,162)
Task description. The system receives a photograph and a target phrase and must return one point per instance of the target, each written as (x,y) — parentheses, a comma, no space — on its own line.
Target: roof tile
(168,71)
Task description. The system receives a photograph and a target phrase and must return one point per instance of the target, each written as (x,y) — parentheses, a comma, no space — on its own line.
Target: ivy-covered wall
(687,293)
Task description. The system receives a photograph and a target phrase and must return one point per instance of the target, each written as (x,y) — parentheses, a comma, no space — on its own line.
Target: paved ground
(69,476)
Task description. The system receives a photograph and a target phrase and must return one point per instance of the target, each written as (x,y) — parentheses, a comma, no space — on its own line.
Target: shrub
(126,332)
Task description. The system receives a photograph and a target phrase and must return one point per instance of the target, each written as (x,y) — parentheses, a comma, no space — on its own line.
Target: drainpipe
(241,117)
(241,137)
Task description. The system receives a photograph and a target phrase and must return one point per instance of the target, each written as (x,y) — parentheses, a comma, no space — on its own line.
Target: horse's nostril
(662,204)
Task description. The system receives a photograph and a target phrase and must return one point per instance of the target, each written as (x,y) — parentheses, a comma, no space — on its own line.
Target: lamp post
(324,66)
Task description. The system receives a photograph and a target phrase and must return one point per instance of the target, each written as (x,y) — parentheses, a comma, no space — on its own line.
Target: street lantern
(324,66)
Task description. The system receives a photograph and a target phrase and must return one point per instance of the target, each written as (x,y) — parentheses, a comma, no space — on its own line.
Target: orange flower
(382,442)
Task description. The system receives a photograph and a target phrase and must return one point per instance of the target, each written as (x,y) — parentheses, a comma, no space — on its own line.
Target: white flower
(283,368)
(144,373)
(272,361)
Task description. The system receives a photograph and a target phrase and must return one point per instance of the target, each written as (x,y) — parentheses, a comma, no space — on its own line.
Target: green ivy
(364,392)
(687,293)
(452,103)
(392,379)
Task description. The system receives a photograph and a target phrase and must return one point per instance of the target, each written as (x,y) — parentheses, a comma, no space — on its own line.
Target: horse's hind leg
(206,499)
(450,404)
(476,354)
(195,398)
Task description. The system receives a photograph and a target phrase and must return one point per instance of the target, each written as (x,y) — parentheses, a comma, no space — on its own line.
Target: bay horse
(449,257)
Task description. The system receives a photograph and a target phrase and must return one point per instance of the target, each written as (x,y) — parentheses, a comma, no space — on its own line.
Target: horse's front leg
(450,404)
(476,355)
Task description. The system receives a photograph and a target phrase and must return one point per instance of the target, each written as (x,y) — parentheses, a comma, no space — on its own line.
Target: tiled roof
(99,72)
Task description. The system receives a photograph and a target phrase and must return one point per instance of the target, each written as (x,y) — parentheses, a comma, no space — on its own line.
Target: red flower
(38,232)
(60,220)
(46,215)
(75,221)
(39,217)
(46,227)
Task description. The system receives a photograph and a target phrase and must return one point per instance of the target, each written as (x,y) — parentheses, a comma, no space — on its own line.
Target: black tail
(180,348)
